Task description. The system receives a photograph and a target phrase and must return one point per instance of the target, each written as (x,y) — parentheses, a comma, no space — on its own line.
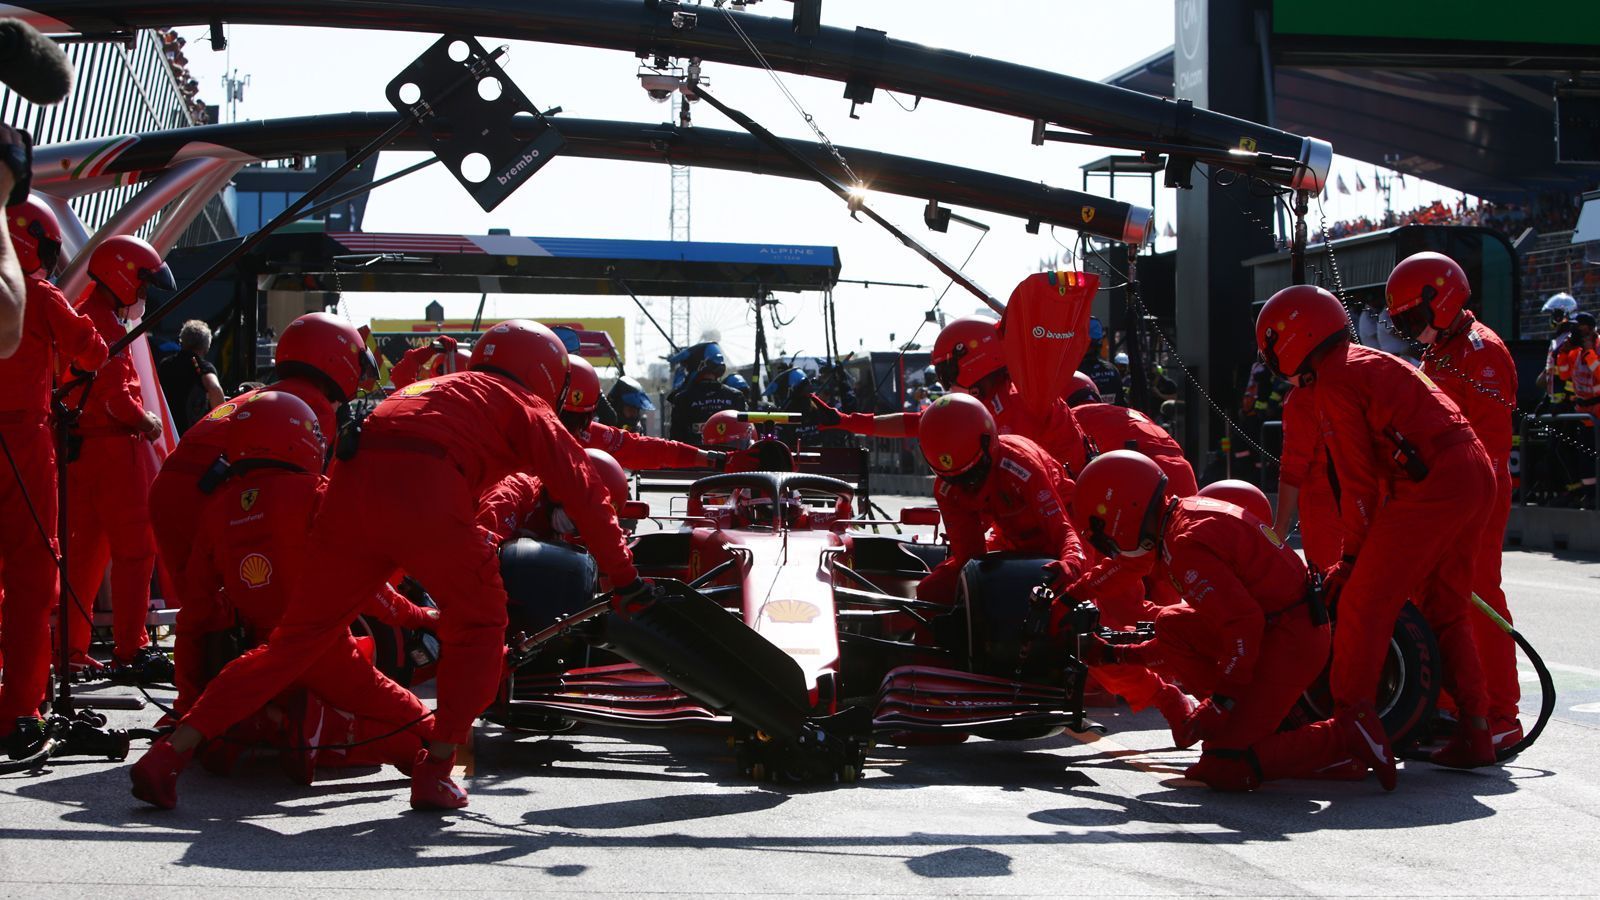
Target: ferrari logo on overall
(1088,214)
(248,498)
(255,571)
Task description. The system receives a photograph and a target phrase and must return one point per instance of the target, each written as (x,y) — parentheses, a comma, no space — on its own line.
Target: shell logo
(1271,536)
(222,412)
(792,611)
(412,390)
(255,571)
(248,498)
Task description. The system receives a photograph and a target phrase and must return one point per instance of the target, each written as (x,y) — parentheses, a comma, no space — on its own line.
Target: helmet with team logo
(1083,390)
(1119,502)
(273,428)
(583,395)
(1242,494)
(328,350)
(1426,289)
(126,267)
(612,475)
(529,354)
(956,434)
(36,235)
(1297,322)
(967,350)
(724,429)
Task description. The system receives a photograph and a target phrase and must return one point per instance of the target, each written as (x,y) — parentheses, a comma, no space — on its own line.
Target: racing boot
(431,784)
(1178,709)
(1366,740)
(1470,747)
(1227,770)
(1507,733)
(155,775)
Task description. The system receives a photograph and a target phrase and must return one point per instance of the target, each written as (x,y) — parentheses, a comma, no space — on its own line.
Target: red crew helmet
(1119,502)
(956,433)
(126,266)
(583,393)
(527,353)
(36,234)
(724,428)
(1242,494)
(1082,390)
(1295,323)
(1426,289)
(967,350)
(273,427)
(611,475)
(328,350)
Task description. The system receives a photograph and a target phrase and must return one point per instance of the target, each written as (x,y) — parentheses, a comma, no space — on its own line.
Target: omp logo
(517,167)
(1039,331)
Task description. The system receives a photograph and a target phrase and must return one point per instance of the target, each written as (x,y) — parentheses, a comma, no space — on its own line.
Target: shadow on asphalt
(256,838)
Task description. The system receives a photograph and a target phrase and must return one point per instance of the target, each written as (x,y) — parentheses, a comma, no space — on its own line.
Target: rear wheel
(1408,686)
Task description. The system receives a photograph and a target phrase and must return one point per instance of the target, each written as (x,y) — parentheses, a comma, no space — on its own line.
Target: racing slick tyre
(1408,688)
(996,593)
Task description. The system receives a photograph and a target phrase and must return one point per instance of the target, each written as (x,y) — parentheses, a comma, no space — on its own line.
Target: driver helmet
(725,429)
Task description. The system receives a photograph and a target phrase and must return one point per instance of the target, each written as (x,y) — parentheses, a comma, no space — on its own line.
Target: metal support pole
(1297,247)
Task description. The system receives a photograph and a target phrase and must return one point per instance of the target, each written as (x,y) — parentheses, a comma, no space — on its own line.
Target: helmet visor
(159,277)
(1413,321)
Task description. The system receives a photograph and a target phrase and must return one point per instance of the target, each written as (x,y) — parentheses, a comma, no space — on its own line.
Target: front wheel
(1408,687)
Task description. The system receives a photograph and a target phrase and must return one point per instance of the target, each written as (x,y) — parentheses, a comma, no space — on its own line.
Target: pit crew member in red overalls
(446,440)
(1251,633)
(1112,427)
(108,483)
(1007,485)
(516,506)
(322,360)
(969,356)
(53,334)
(1305,490)
(1386,423)
(438,357)
(1427,294)
(248,556)
(630,450)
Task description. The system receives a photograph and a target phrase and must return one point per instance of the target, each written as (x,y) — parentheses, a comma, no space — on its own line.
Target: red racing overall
(1473,367)
(1245,631)
(638,451)
(249,556)
(1304,465)
(1113,427)
(436,445)
(108,492)
(1386,423)
(175,498)
(53,334)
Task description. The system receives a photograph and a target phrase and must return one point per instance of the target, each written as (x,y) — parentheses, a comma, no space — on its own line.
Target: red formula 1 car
(783,621)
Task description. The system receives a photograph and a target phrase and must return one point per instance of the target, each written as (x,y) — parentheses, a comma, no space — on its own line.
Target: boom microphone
(31,64)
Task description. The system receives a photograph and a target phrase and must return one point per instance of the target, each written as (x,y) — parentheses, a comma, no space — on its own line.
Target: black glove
(635,596)
(717,460)
(1097,651)
(819,414)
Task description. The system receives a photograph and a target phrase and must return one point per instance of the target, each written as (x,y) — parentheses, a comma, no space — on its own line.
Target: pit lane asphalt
(642,813)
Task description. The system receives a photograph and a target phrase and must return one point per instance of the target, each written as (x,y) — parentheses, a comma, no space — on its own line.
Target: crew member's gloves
(716,460)
(1060,573)
(1334,580)
(636,595)
(1206,719)
(820,414)
(444,343)
(1097,651)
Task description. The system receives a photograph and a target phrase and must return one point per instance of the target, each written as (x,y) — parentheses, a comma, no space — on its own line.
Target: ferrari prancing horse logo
(1088,214)
(248,498)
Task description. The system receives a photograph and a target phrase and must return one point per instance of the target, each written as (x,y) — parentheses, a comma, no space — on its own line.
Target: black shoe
(26,739)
